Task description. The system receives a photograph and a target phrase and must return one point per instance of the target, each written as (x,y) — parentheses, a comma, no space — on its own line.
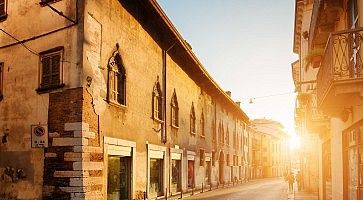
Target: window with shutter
(51,69)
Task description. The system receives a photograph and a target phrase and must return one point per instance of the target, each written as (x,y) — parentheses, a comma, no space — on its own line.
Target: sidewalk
(301,195)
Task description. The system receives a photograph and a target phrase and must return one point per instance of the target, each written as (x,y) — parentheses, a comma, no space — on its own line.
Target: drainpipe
(163,127)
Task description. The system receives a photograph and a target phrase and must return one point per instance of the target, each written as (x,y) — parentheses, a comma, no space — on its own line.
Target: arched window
(202,133)
(227,136)
(157,102)
(192,119)
(116,79)
(174,110)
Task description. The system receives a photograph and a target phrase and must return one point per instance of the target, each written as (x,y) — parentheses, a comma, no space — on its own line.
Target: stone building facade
(328,39)
(106,100)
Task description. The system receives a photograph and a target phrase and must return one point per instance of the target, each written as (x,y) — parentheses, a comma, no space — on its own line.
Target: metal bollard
(202,188)
(181,194)
(144,195)
(193,189)
(210,186)
(166,193)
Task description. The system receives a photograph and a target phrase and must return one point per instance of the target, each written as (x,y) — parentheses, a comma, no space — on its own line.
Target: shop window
(175,176)
(192,119)
(157,102)
(51,69)
(190,173)
(156,177)
(119,178)
(174,110)
(214,158)
(3,9)
(116,80)
(201,157)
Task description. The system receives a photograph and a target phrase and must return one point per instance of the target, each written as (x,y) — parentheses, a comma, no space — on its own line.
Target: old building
(328,79)
(106,100)
(270,149)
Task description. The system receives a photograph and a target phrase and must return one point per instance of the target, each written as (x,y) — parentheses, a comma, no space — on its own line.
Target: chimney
(238,103)
(229,93)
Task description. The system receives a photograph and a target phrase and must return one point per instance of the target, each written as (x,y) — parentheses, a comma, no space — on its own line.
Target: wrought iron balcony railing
(342,60)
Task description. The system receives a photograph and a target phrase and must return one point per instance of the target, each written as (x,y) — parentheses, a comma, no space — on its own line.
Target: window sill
(47,89)
(202,136)
(158,120)
(175,127)
(112,103)
(3,17)
(192,133)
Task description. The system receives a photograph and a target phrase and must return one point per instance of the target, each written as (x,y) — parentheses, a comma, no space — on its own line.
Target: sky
(246,46)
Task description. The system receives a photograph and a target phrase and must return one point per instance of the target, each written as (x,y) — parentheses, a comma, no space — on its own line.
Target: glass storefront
(119,178)
(175,176)
(190,173)
(156,177)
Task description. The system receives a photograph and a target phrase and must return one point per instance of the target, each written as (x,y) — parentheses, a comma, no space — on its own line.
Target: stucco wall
(22,106)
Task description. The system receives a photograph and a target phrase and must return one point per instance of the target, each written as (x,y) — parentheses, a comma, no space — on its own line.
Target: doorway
(119,178)
(221,167)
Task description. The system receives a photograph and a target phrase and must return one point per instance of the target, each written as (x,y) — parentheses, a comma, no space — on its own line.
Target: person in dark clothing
(291,180)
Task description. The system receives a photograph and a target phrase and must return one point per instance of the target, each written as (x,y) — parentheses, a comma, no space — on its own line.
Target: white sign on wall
(39,136)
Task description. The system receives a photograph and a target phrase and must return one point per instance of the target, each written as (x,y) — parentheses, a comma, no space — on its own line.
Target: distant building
(270,149)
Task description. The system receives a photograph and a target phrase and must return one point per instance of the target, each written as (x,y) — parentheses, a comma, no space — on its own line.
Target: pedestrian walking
(299,180)
(291,180)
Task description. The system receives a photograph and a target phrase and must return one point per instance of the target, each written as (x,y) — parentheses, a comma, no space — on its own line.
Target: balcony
(340,80)
(316,121)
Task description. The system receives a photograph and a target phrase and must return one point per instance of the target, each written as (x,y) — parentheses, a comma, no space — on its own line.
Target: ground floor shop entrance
(353,162)
(119,178)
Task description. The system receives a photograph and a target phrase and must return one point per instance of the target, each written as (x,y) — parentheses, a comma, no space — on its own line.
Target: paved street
(263,189)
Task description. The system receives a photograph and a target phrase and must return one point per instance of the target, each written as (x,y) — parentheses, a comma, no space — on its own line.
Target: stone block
(71,174)
(85,181)
(50,155)
(71,156)
(88,149)
(74,189)
(88,166)
(76,126)
(54,134)
(69,142)
(84,134)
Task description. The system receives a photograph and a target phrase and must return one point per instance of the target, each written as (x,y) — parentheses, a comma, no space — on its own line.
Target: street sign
(39,136)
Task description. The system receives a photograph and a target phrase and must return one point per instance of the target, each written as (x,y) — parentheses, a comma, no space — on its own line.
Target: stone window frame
(174,111)
(202,125)
(1,81)
(116,80)
(157,105)
(4,3)
(51,53)
(192,120)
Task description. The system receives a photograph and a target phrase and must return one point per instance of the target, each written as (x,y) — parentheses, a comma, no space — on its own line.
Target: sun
(294,142)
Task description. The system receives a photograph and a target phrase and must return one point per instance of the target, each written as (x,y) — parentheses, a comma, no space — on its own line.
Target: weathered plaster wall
(142,57)
(22,106)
